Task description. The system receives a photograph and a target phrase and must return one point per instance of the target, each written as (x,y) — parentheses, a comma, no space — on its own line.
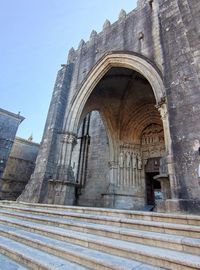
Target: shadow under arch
(113,59)
(107,125)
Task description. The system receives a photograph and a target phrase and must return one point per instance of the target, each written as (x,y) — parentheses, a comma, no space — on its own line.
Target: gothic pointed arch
(114,59)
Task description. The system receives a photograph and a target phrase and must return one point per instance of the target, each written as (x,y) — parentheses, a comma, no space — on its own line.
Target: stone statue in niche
(134,161)
(139,158)
(121,160)
(128,160)
(121,168)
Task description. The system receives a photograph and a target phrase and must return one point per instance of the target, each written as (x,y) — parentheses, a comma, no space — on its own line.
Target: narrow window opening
(151,4)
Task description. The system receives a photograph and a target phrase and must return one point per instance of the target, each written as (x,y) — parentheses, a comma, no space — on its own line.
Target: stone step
(153,226)
(102,241)
(7,264)
(84,229)
(86,256)
(32,258)
(150,216)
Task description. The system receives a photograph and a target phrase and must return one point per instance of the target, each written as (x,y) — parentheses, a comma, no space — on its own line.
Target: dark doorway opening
(153,188)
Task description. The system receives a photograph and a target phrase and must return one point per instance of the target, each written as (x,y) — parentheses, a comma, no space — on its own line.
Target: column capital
(163,101)
(69,138)
(112,164)
(162,107)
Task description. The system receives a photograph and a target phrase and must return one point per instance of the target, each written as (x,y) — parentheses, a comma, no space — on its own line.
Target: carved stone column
(64,172)
(162,108)
(61,189)
(113,166)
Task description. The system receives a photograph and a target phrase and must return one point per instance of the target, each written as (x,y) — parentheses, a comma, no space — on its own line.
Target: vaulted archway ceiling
(127,103)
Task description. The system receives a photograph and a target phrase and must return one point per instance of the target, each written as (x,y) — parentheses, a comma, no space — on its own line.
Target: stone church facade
(122,129)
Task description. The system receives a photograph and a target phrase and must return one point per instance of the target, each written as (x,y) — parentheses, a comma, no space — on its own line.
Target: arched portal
(125,89)
(115,59)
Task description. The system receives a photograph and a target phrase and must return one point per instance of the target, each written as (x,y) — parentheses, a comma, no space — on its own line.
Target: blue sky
(36,36)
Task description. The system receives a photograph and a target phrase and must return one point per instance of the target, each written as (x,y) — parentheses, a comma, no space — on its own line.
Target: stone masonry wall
(181,47)
(9,123)
(137,32)
(46,162)
(97,176)
(19,168)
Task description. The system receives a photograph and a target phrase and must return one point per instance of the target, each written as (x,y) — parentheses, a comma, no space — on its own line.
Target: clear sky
(36,36)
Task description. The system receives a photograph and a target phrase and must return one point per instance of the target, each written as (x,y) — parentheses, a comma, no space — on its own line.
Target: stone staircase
(38,236)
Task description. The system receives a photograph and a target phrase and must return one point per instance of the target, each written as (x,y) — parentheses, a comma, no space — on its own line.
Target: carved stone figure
(69,138)
(134,161)
(139,158)
(121,160)
(128,159)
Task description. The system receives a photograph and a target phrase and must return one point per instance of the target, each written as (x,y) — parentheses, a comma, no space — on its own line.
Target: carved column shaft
(84,150)
(162,108)
(68,141)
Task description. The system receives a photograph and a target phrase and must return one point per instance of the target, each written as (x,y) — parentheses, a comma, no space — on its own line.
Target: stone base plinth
(121,201)
(61,192)
(179,205)
(165,185)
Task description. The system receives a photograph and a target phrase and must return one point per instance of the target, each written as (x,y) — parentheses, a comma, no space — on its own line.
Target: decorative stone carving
(93,34)
(81,44)
(68,138)
(162,108)
(64,163)
(121,160)
(196,145)
(153,134)
(122,14)
(134,160)
(106,24)
(128,170)
(71,55)
(139,158)
(152,141)
(112,164)
(128,160)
